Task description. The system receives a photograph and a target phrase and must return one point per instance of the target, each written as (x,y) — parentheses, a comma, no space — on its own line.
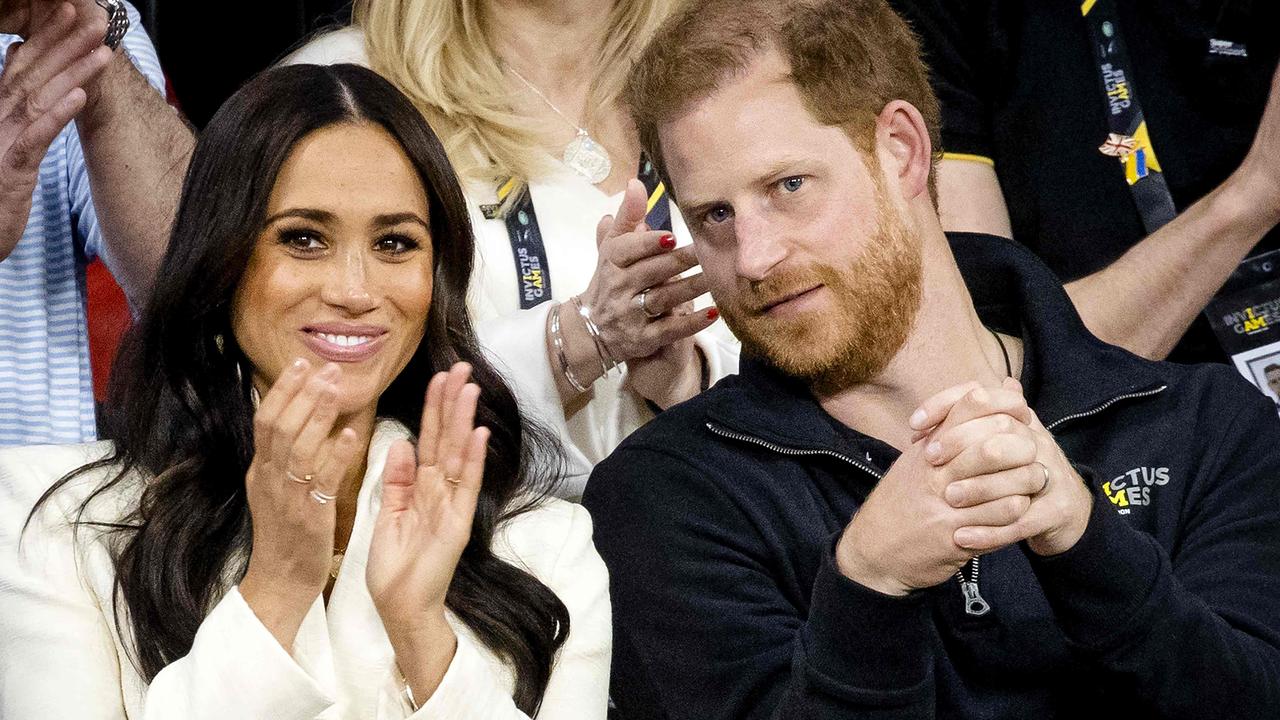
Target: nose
(760,245)
(349,285)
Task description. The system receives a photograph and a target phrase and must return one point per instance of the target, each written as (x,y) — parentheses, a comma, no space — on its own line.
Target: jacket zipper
(1105,405)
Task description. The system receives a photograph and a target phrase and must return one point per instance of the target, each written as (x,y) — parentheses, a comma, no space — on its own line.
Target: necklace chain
(546,100)
(1008,367)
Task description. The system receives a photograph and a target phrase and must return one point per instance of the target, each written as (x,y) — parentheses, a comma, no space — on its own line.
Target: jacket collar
(1066,372)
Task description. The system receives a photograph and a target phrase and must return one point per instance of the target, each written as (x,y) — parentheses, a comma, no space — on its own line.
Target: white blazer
(62,657)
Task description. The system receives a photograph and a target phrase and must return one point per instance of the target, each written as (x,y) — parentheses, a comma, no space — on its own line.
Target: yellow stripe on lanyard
(655,197)
(1087,6)
(505,190)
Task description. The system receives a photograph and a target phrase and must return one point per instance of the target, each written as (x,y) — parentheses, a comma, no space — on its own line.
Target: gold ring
(453,481)
(321,497)
(304,480)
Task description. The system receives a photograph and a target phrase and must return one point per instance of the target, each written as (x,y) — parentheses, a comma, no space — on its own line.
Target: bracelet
(607,362)
(558,341)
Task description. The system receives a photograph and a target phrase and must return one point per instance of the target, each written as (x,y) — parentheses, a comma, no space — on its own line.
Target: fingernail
(667,242)
(964,538)
(933,450)
(917,418)
(952,494)
(712,313)
(298,365)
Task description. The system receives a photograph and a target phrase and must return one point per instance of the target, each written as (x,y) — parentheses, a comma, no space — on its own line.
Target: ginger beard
(876,298)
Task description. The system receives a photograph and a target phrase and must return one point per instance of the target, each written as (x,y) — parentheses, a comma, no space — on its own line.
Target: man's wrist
(857,568)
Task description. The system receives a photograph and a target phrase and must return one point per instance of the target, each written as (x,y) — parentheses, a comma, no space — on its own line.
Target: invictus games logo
(1133,489)
(1117,87)
(1252,320)
(531,275)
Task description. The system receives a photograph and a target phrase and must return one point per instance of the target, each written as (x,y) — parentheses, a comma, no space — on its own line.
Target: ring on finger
(1044,469)
(641,301)
(322,498)
(453,480)
(304,480)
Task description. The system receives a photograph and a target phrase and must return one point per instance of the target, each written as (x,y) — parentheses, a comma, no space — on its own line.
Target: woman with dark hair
(262,539)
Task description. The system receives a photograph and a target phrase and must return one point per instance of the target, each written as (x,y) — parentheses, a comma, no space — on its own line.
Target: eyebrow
(324,216)
(775,171)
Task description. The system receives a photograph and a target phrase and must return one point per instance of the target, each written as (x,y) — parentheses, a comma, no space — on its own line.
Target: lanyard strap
(1128,140)
(533,272)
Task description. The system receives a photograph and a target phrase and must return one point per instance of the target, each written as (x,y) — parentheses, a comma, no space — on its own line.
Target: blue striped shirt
(46,390)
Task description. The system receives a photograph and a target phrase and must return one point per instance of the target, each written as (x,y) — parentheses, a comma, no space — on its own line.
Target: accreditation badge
(1245,317)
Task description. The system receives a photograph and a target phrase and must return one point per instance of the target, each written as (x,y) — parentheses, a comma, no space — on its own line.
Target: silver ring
(304,480)
(321,497)
(641,301)
(1045,469)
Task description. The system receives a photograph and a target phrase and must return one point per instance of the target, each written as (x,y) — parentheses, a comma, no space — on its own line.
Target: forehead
(754,120)
(352,166)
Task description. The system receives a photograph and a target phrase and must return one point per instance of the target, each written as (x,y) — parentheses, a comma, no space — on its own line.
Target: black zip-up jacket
(718,521)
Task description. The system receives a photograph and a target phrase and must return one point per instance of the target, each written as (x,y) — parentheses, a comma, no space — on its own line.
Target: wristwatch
(117,22)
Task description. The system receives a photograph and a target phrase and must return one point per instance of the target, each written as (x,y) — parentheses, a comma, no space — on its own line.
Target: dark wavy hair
(182,415)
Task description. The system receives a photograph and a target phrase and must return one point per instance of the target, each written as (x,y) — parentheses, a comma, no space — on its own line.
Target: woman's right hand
(297,462)
(634,259)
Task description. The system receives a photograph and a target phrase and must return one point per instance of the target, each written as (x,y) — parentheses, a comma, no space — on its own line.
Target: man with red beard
(930,492)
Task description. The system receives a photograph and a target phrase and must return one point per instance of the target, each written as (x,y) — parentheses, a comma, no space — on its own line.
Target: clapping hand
(427,506)
(41,90)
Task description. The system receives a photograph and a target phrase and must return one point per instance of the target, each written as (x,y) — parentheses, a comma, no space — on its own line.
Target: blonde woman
(580,266)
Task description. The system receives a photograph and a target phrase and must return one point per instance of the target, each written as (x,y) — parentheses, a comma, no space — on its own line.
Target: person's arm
(1193,632)
(1178,268)
(136,149)
(704,631)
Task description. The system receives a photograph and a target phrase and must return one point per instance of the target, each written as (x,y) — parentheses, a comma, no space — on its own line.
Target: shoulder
(27,472)
(331,48)
(552,541)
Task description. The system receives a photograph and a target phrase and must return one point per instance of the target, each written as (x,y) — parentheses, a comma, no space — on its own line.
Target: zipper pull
(973,603)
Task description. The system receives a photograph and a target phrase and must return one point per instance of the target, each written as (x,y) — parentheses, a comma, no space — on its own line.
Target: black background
(208,49)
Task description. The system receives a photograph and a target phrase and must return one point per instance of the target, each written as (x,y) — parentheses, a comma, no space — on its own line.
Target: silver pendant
(588,158)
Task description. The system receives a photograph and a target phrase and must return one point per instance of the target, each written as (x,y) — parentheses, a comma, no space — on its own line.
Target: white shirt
(62,657)
(568,209)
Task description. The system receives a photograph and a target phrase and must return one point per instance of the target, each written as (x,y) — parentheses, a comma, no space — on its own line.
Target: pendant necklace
(583,154)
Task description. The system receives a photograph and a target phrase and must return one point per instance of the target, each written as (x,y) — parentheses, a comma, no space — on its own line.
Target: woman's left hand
(427,508)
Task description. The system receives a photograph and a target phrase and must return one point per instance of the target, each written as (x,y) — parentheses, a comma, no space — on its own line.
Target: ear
(902,136)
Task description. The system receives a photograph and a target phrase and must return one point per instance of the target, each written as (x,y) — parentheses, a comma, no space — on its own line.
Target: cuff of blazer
(236,668)
(468,689)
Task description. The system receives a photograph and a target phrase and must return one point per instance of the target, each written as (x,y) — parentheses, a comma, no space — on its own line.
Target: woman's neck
(551,43)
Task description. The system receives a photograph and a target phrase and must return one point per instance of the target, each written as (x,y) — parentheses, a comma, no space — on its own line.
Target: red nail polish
(712,313)
(667,242)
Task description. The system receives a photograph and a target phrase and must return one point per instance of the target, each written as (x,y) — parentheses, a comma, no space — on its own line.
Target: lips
(344,343)
(792,295)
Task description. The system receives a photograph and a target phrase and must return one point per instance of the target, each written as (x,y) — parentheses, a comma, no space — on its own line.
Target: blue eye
(792,184)
(719,214)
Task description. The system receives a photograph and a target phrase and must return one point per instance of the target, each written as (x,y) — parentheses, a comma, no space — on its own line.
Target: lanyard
(533,272)
(1128,139)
